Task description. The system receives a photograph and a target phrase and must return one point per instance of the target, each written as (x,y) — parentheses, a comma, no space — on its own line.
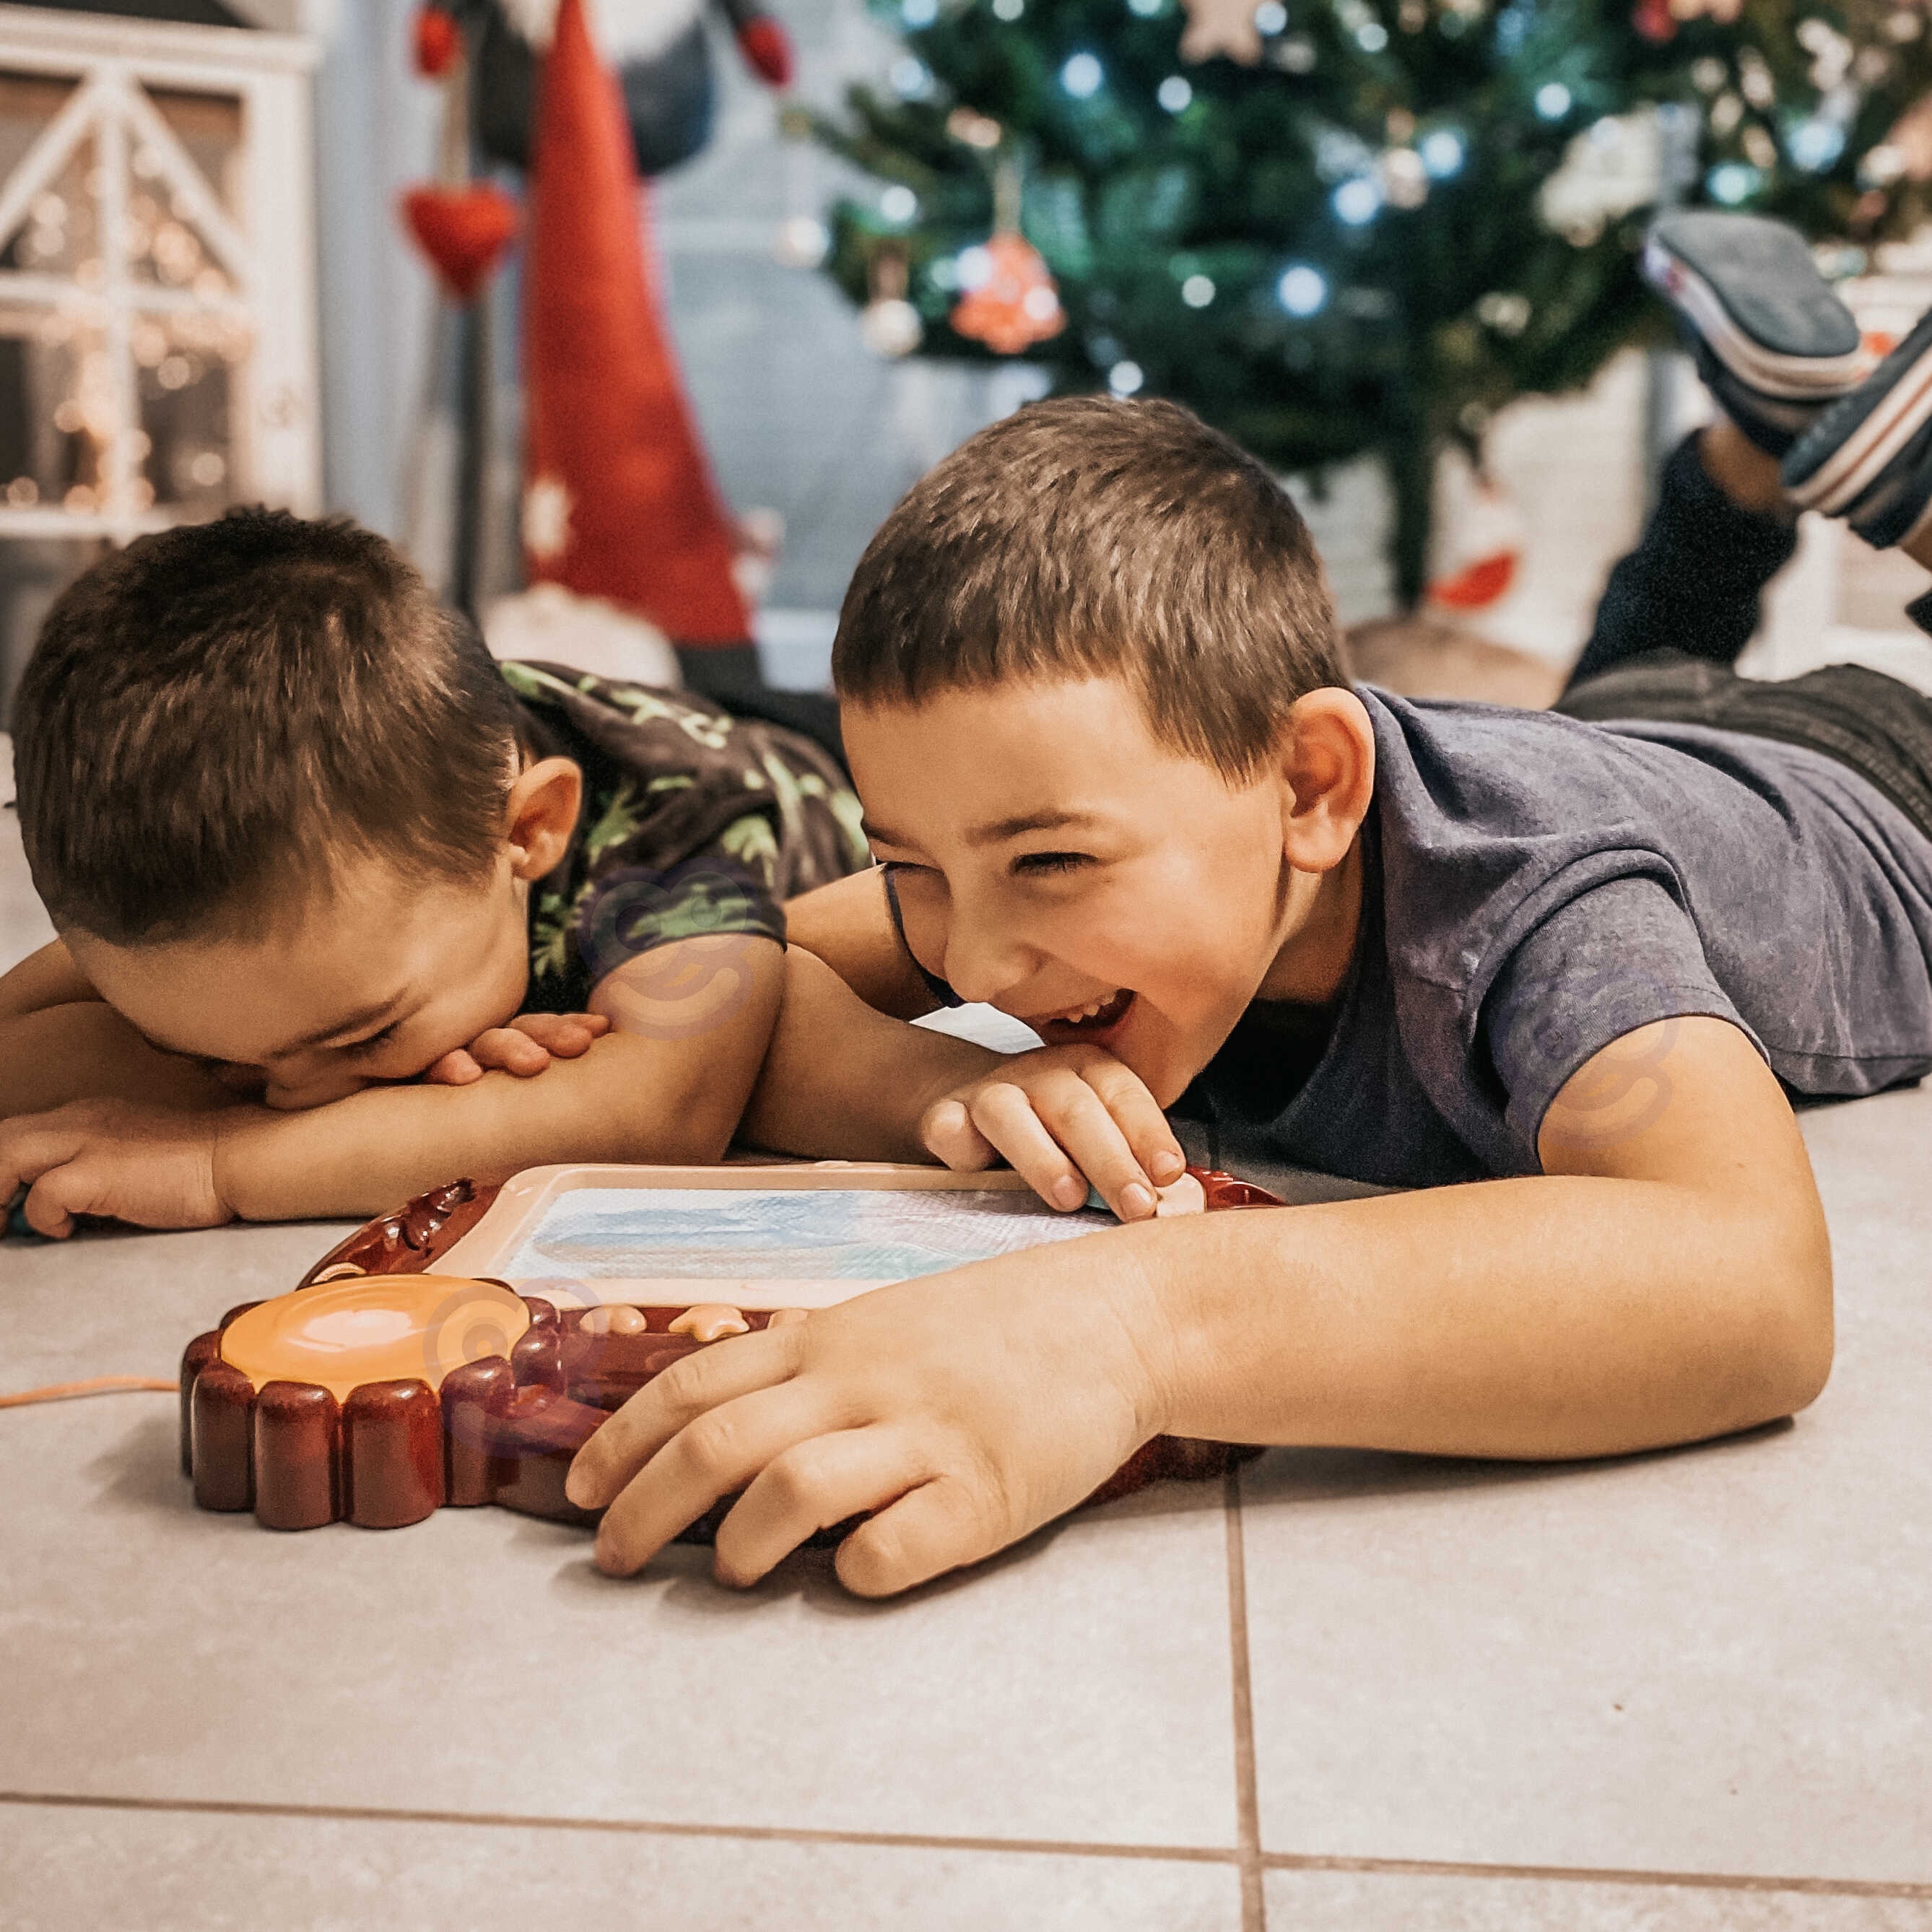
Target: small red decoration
(767,47)
(438,43)
(463,231)
(1016,304)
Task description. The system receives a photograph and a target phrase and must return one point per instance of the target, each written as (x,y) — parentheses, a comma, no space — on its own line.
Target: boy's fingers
(1006,1116)
(510,1051)
(810,1487)
(455,1070)
(565,1035)
(1079,1121)
(687,1390)
(712,1456)
(937,1528)
(948,1133)
(1137,1114)
(60,1194)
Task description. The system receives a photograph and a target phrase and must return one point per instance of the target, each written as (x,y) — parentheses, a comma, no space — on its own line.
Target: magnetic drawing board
(761,1237)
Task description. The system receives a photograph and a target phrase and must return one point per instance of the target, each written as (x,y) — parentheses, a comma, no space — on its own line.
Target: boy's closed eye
(1042,865)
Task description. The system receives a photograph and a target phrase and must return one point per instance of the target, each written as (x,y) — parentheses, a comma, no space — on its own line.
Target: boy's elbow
(1793,1324)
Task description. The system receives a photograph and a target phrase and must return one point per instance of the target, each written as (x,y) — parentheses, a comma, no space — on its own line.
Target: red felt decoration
(1654,20)
(463,231)
(1016,304)
(767,47)
(438,43)
(620,502)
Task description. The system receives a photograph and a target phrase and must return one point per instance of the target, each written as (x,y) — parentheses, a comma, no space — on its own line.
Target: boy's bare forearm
(840,1080)
(625,1100)
(1553,1317)
(849,926)
(85,1051)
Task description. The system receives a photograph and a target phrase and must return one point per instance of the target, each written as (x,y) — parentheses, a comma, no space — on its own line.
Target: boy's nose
(980,966)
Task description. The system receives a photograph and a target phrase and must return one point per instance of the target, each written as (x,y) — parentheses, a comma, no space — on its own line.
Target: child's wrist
(237,1143)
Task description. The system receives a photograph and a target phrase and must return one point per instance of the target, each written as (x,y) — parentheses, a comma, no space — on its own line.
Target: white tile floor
(1690,1691)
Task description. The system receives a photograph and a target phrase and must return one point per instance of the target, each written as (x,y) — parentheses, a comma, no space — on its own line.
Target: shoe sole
(1768,250)
(1877,420)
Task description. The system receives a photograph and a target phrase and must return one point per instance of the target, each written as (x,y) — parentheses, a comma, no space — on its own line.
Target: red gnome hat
(619,502)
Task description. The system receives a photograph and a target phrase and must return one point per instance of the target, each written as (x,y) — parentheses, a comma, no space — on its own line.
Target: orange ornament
(438,43)
(1015,303)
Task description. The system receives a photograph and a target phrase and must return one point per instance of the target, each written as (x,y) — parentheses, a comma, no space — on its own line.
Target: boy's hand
(525,1047)
(151,1166)
(967,1408)
(1062,1116)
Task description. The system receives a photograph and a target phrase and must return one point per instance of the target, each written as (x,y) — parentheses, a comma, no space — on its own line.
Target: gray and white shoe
(1868,459)
(1774,345)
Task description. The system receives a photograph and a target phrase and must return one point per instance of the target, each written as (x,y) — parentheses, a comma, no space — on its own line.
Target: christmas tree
(1341,226)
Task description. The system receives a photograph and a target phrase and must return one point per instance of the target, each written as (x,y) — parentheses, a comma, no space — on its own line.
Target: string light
(1302,290)
(1552,101)
(1125,378)
(1358,201)
(1441,152)
(899,203)
(1082,76)
(919,13)
(1732,182)
(1197,292)
(1173,93)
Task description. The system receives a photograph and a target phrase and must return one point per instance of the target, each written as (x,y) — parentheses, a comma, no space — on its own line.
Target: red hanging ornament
(1014,302)
(463,231)
(438,43)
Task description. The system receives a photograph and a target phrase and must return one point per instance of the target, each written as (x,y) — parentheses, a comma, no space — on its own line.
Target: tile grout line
(1693,1881)
(1247,1807)
(792,1835)
(222,1807)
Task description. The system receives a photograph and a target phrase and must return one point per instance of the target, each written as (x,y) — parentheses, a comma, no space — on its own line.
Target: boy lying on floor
(1556,977)
(330,885)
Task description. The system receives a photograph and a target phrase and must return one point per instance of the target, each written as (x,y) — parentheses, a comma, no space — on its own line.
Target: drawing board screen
(860,1235)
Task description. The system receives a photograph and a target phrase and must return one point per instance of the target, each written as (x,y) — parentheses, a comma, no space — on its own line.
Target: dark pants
(1679,608)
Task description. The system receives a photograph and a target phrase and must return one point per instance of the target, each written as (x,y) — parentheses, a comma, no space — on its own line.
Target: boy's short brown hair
(215,716)
(1087,537)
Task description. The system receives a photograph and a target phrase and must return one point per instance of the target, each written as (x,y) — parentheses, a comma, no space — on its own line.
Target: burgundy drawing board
(461,1350)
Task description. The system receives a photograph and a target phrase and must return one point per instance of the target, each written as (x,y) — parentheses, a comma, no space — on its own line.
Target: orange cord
(93,1385)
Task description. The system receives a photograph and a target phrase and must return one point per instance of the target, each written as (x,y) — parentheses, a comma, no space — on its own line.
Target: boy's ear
(1328,762)
(541,814)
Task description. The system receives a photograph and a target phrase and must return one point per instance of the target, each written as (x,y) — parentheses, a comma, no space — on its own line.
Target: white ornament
(890,327)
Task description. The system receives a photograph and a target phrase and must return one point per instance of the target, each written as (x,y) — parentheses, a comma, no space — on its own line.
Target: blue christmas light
(1008,10)
(1357,201)
(1146,9)
(899,203)
(1552,101)
(1302,290)
(1270,16)
(1815,144)
(1082,76)
(1173,93)
(1197,292)
(1441,153)
(1124,378)
(919,13)
(974,267)
(1733,181)
(910,80)
(1372,36)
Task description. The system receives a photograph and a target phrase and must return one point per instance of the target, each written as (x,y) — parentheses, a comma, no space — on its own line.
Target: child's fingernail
(1167,1167)
(1137,1200)
(1068,1192)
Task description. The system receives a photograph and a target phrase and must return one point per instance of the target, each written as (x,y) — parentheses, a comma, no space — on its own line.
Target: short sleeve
(1619,956)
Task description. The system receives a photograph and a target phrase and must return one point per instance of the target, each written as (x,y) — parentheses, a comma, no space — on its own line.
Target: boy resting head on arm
(326,877)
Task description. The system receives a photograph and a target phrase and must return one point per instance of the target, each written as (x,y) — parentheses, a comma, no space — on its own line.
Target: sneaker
(1868,459)
(1774,345)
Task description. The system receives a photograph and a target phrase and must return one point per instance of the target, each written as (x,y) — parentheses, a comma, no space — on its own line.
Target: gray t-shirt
(1534,888)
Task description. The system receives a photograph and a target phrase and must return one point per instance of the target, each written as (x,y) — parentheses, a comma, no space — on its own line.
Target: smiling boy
(1556,979)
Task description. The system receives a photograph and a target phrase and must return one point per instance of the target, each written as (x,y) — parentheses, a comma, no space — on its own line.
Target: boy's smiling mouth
(1088,1022)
